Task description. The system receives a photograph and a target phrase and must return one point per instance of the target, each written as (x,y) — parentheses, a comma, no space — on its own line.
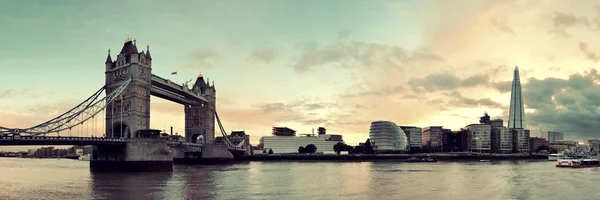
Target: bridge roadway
(54,140)
(171,91)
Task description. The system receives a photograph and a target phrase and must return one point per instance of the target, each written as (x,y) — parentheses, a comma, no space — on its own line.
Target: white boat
(555,156)
(577,162)
(84,157)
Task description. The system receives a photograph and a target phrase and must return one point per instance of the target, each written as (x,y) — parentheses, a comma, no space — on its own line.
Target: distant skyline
(306,64)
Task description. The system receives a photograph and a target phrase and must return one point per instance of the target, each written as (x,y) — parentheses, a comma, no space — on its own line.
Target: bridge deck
(41,140)
(164,88)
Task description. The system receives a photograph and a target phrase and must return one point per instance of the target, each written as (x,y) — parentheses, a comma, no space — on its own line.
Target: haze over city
(421,63)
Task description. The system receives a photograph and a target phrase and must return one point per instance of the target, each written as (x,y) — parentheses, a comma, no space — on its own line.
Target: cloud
(563,21)
(503,27)
(502,86)
(583,47)
(263,55)
(358,54)
(446,81)
(7,93)
(569,105)
(205,58)
(345,34)
(458,100)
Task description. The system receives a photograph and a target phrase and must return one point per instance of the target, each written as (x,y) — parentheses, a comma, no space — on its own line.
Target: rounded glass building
(387,136)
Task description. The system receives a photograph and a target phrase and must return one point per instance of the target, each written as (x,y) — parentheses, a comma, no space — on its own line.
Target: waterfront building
(287,142)
(502,140)
(480,135)
(414,137)
(432,138)
(553,136)
(516,118)
(520,140)
(387,136)
(452,141)
(536,143)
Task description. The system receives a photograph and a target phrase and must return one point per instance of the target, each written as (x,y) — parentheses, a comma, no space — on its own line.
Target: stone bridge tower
(200,118)
(131,111)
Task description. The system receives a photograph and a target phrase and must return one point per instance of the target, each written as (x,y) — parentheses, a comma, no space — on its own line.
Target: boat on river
(415,159)
(85,157)
(555,156)
(577,162)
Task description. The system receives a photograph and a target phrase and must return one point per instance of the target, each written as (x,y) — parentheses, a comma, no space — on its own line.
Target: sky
(306,64)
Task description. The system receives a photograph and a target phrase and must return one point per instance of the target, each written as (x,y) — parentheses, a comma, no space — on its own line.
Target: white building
(290,144)
(480,137)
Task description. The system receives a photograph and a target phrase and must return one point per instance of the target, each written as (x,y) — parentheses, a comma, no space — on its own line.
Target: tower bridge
(129,144)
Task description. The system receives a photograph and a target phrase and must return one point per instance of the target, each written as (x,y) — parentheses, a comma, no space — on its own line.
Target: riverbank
(389,157)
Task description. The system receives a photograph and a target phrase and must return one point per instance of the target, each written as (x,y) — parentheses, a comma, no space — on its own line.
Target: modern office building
(387,136)
(502,140)
(480,137)
(414,136)
(553,136)
(432,138)
(516,118)
(450,141)
(520,140)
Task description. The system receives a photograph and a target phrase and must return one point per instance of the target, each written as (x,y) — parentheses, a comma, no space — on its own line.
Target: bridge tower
(128,114)
(200,118)
(131,111)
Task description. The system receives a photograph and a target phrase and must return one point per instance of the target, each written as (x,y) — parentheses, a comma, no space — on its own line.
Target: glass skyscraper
(516,117)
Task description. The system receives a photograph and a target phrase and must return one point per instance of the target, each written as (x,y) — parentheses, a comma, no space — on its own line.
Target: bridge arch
(121,130)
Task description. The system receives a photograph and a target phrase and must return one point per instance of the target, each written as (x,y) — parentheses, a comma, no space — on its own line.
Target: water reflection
(129,185)
(65,179)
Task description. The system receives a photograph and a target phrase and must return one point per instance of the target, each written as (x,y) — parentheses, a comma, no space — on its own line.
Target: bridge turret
(200,118)
(109,62)
(124,118)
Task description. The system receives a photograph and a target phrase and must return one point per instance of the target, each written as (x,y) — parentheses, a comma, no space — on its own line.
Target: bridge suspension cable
(224,133)
(75,116)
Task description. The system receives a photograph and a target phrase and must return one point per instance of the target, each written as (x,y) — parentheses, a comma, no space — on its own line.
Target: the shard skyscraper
(516,117)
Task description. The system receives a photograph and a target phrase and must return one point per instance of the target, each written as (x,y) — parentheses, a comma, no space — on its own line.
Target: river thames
(23,178)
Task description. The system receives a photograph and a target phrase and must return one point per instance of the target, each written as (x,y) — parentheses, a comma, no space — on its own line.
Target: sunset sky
(305,64)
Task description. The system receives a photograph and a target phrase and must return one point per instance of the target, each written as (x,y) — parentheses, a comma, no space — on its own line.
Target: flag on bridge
(173,72)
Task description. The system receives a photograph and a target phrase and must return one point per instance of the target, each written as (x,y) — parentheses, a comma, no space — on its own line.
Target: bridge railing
(62,138)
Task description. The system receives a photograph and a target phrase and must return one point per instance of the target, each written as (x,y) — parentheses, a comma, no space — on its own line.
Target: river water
(22,178)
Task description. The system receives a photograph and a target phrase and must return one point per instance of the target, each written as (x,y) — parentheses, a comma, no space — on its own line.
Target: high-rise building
(516,117)
(553,136)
